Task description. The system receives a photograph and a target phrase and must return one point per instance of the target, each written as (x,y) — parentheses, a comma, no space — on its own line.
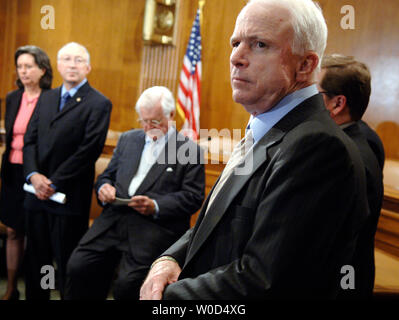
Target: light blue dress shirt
(263,122)
(73,90)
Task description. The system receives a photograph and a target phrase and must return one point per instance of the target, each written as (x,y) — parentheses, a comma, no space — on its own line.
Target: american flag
(188,92)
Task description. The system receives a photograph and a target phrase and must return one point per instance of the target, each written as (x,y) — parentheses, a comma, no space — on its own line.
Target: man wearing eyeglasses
(346,86)
(64,139)
(153,184)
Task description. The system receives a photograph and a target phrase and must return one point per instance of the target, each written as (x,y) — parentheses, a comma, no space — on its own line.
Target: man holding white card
(64,139)
(153,184)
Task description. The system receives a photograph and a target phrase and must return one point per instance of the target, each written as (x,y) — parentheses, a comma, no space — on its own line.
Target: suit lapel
(157,169)
(53,104)
(235,183)
(48,109)
(14,108)
(231,188)
(76,100)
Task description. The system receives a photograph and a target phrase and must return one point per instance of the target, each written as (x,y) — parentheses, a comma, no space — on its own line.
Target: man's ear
(339,104)
(88,68)
(307,64)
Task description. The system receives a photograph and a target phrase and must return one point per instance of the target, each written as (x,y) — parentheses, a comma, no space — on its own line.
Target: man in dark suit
(289,226)
(161,174)
(374,141)
(65,137)
(346,86)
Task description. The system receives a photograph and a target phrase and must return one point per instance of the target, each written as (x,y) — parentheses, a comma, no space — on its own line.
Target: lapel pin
(78,99)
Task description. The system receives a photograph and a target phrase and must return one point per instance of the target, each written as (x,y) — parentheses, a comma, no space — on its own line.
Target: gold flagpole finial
(201,4)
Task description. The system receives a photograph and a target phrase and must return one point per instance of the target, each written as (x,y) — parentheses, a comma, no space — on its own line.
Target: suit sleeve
(303,205)
(8,125)
(7,117)
(179,249)
(109,174)
(91,146)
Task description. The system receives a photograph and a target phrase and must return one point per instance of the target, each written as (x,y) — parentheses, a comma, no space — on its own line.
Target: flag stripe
(189,88)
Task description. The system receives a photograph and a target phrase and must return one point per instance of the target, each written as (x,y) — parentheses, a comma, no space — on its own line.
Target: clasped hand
(42,185)
(162,274)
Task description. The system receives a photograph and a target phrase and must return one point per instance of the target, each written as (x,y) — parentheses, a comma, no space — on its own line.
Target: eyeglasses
(77,60)
(149,121)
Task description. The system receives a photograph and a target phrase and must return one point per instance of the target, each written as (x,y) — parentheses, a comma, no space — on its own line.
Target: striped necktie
(238,154)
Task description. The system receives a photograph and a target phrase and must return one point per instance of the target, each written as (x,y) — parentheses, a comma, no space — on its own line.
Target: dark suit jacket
(374,141)
(287,228)
(177,187)
(364,254)
(8,205)
(13,103)
(64,146)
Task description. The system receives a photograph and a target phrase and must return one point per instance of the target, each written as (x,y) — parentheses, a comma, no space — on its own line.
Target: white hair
(152,96)
(308,23)
(74,44)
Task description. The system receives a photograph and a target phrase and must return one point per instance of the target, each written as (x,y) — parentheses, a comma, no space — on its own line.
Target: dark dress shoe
(13,296)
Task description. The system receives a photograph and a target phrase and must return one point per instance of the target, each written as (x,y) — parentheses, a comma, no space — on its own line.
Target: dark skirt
(12,212)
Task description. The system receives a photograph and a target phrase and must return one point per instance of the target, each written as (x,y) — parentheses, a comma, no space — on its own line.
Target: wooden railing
(387,236)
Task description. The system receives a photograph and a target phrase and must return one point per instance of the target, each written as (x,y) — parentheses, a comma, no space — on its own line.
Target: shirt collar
(347,124)
(263,122)
(163,139)
(73,90)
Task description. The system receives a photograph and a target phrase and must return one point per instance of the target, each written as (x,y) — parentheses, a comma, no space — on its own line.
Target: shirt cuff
(156,215)
(34,172)
(98,191)
(29,176)
(163,258)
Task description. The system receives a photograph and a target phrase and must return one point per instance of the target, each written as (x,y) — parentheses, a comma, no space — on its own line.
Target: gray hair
(151,96)
(308,23)
(73,44)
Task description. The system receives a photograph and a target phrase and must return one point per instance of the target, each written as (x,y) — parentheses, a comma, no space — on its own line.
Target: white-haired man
(64,139)
(164,187)
(288,227)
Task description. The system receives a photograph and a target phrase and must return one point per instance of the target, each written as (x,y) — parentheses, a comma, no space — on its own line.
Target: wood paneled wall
(112,29)
(375,42)
(108,28)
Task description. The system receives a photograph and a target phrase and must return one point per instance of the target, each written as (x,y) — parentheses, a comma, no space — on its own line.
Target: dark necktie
(64,99)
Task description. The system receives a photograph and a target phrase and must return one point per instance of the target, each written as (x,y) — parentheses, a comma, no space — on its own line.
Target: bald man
(288,226)
(64,139)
